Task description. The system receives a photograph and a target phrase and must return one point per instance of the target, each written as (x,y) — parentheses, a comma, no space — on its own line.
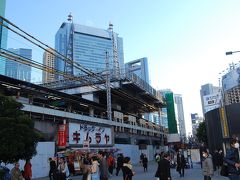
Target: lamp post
(231,52)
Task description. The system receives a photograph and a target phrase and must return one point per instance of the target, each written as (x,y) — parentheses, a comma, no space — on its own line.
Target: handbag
(224,170)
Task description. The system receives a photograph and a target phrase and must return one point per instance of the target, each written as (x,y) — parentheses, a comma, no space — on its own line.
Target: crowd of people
(101,165)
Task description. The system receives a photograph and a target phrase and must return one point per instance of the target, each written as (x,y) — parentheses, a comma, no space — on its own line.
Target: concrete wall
(134,152)
(40,165)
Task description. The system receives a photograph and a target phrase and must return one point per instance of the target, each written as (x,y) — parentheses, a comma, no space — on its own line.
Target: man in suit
(181,163)
(163,171)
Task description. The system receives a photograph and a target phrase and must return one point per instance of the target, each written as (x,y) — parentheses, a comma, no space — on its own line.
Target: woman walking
(207,165)
(28,170)
(127,169)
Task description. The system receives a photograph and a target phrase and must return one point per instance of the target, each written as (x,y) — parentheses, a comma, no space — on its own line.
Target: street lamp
(231,52)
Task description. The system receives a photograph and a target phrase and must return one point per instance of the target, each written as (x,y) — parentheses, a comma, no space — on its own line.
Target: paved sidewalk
(190,174)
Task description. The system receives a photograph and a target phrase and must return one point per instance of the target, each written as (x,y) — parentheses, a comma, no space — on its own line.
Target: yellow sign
(224,122)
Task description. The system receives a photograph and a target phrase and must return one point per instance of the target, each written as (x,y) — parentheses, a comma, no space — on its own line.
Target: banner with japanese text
(62,135)
(95,135)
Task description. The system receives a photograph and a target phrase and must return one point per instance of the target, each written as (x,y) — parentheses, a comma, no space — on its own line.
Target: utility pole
(108,89)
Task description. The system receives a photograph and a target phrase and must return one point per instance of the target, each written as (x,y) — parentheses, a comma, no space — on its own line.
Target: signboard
(62,135)
(86,135)
(211,101)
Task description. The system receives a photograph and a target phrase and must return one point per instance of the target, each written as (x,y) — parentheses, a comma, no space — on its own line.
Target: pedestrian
(163,171)
(232,160)
(86,167)
(28,170)
(119,163)
(145,163)
(181,163)
(157,158)
(127,169)
(16,173)
(103,167)
(141,158)
(215,159)
(111,164)
(207,165)
(95,169)
(63,169)
(53,168)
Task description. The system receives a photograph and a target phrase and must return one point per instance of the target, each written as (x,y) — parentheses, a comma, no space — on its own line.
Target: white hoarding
(79,134)
(211,101)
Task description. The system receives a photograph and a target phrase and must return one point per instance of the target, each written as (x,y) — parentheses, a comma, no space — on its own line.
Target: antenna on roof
(70,17)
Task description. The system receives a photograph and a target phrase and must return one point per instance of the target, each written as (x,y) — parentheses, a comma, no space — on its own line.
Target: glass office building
(3,36)
(88,46)
(18,70)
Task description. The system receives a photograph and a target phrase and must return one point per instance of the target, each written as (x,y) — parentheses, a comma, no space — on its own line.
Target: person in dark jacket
(127,169)
(163,171)
(145,163)
(232,160)
(181,163)
(103,168)
(119,163)
(53,168)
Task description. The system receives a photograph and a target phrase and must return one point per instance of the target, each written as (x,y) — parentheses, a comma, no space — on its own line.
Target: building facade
(18,70)
(210,97)
(139,67)
(180,116)
(87,46)
(196,120)
(3,37)
(49,62)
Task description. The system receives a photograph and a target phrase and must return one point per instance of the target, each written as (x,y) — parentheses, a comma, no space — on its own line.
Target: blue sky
(184,40)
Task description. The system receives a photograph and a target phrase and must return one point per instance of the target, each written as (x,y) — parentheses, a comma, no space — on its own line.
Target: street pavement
(190,174)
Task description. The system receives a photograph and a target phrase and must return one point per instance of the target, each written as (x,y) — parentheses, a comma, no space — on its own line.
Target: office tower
(196,120)
(49,62)
(175,113)
(180,116)
(3,36)
(139,67)
(210,97)
(18,70)
(87,46)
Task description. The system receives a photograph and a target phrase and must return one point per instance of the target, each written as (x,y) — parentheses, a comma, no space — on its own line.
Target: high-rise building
(210,97)
(139,67)
(175,114)
(180,116)
(18,70)
(87,46)
(196,120)
(49,61)
(3,36)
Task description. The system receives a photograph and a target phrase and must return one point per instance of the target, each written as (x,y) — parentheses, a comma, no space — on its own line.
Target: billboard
(231,79)
(212,101)
(80,134)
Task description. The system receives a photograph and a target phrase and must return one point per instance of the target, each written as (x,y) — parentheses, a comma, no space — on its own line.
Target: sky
(184,40)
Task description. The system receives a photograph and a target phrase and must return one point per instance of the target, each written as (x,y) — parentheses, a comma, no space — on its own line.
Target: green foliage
(18,139)
(202,133)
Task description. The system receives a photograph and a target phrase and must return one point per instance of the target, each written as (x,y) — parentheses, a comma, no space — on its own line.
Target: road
(190,174)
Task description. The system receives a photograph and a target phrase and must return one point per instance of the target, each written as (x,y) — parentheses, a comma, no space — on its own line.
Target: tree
(202,132)
(18,139)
